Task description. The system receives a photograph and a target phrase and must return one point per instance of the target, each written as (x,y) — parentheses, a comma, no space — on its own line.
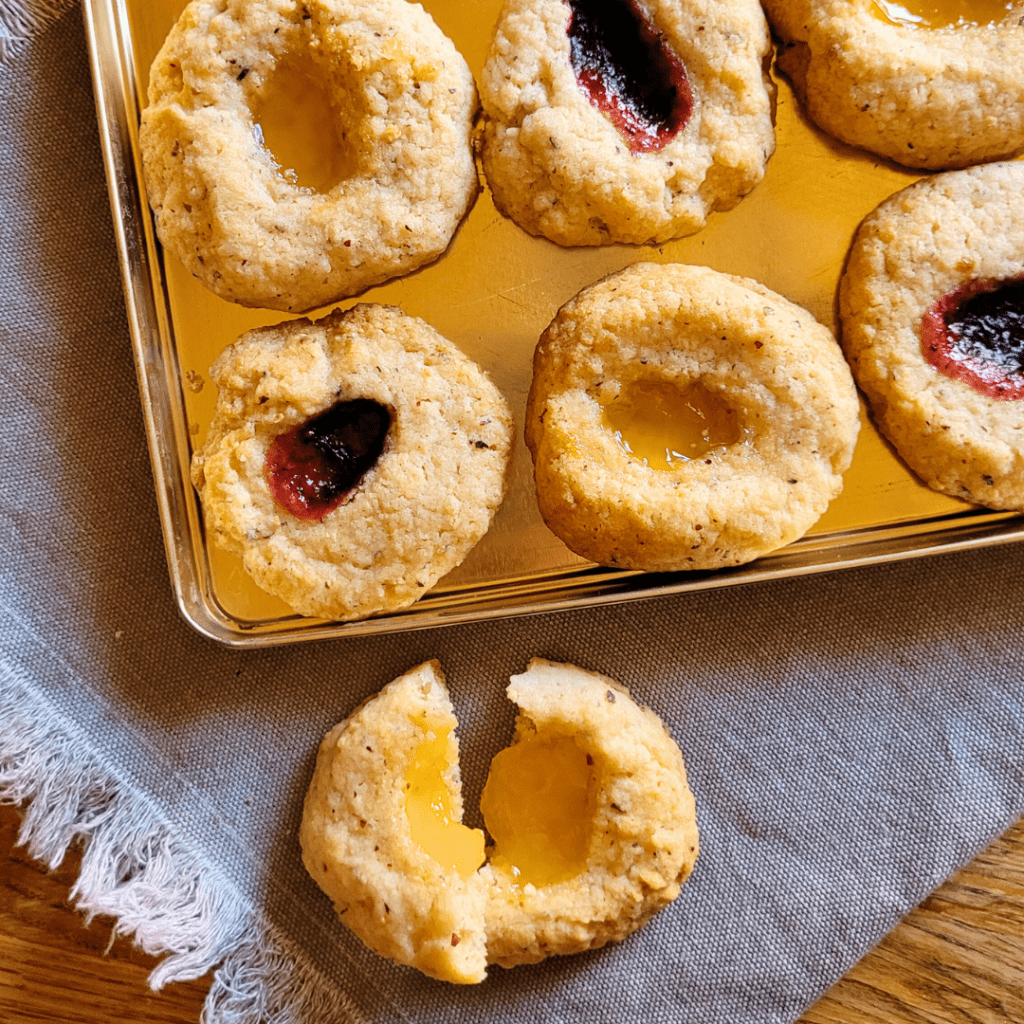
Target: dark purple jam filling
(628,72)
(976,334)
(314,467)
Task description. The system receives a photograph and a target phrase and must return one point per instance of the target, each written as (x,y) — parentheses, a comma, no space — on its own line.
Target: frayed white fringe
(20,20)
(261,982)
(135,870)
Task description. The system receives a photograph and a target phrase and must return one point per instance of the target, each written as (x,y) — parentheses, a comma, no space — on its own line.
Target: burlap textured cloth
(851,738)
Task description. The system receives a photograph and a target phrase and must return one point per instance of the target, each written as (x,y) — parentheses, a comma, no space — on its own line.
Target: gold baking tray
(493,293)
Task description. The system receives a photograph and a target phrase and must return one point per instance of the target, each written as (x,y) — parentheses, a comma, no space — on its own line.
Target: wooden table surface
(957,959)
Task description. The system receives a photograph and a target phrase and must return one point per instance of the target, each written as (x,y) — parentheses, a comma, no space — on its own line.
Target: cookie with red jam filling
(352,461)
(625,121)
(932,309)
(935,84)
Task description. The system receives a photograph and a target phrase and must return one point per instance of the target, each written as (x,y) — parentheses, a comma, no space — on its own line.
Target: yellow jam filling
(940,13)
(428,806)
(538,805)
(663,425)
(297,123)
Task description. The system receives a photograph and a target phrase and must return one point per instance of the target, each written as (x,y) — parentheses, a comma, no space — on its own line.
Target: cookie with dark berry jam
(629,72)
(620,121)
(975,333)
(352,461)
(317,465)
(932,308)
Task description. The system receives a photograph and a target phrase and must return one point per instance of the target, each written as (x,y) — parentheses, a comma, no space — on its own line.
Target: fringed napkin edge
(138,871)
(20,20)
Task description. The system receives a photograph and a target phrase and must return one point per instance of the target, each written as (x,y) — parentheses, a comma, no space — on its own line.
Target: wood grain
(956,959)
(55,970)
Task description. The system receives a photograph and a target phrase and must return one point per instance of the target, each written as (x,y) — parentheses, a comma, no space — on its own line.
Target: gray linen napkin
(851,738)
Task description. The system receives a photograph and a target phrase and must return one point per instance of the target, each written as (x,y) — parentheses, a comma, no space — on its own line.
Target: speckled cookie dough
(930,97)
(928,268)
(619,169)
(351,461)
(402,100)
(641,839)
(760,420)
(591,819)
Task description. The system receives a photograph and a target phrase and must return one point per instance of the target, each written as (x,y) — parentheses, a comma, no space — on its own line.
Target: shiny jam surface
(314,467)
(976,334)
(538,805)
(663,425)
(940,13)
(429,809)
(296,122)
(627,71)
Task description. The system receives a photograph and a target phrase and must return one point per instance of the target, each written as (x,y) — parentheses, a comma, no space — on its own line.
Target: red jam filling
(628,72)
(314,467)
(975,333)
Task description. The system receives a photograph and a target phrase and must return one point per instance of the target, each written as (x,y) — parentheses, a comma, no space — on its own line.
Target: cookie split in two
(591,821)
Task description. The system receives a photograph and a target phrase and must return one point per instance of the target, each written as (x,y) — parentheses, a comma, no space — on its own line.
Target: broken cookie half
(591,823)
(381,831)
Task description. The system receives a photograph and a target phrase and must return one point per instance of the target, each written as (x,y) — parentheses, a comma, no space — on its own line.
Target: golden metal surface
(493,293)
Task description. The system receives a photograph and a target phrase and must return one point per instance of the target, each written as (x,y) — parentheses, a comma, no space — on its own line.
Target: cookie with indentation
(622,121)
(591,823)
(932,312)
(398,102)
(681,418)
(616,835)
(352,461)
(875,75)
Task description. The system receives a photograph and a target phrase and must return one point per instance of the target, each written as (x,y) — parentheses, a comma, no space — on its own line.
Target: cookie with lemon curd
(299,151)
(591,816)
(932,84)
(591,819)
(680,418)
(932,313)
(625,121)
(381,831)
